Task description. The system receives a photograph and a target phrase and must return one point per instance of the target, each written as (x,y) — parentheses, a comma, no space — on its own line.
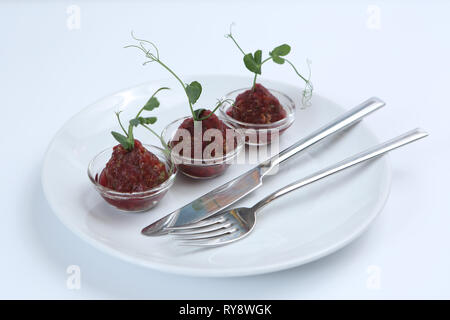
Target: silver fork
(234,224)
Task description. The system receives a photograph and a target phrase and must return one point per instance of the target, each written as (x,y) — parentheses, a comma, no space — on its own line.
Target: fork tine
(211,235)
(211,227)
(202,243)
(210,242)
(215,241)
(198,224)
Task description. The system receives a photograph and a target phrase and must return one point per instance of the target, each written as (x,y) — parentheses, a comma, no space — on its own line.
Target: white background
(49,71)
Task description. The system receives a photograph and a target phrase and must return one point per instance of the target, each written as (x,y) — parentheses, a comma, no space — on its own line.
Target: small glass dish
(259,134)
(131,201)
(197,168)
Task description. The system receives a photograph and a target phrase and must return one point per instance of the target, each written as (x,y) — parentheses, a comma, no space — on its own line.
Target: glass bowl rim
(140,194)
(274,125)
(209,162)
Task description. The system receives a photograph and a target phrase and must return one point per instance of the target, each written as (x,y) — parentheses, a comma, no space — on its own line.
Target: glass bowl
(132,201)
(259,134)
(201,168)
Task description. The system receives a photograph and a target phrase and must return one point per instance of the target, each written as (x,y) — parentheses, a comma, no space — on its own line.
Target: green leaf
(282,50)
(278,52)
(197,113)
(258,56)
(251,64)
(135,122)
(277,59)
(142,120)
(147,120)
(122,140)
(151,104)
(193,91)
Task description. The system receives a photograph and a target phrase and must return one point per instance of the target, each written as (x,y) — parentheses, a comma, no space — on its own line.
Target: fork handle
(368,154)
(349,118)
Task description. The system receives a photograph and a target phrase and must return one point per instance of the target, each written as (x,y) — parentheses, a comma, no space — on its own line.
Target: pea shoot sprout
(127,139)
(254,61)
(193,90)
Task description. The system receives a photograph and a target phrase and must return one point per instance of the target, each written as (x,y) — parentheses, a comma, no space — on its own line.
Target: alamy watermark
(73,281)
(73,21)
(373,281)
(373,21)
(213,146)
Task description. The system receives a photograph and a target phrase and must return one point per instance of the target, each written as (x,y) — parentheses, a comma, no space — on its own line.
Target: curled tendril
(222,101)
(308,90)
(230,34)
(142,41)
(217,106)
(147,62)
(148,53)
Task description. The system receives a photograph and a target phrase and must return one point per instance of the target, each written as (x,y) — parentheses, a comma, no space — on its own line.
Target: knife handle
(368,154)
(347,119)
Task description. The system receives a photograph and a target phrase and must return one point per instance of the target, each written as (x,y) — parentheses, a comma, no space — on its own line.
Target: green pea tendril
(193,90)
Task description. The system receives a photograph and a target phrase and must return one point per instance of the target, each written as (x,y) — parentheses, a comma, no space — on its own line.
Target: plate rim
(205,272)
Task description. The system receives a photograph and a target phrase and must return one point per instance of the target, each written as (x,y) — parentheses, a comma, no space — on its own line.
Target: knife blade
(236,189)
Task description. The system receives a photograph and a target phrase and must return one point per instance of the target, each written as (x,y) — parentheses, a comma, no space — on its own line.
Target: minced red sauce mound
(213,122)
(257,106)
(133,171)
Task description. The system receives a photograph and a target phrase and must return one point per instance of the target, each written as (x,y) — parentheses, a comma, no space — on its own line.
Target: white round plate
(298,228)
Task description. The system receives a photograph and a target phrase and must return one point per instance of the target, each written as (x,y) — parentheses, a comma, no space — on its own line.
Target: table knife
(236,189)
